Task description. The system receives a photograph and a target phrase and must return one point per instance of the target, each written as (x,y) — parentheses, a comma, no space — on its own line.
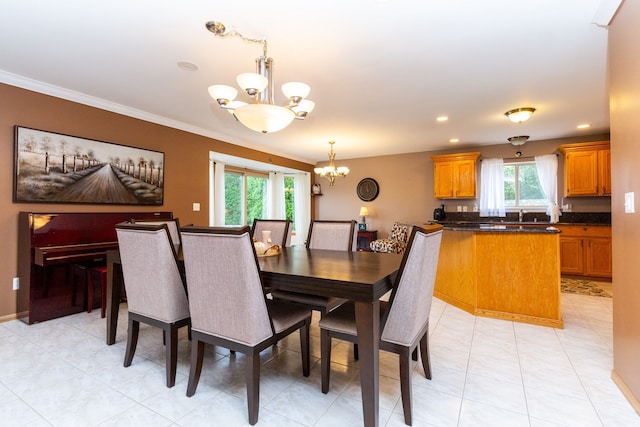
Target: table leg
(368,326)
(114,275)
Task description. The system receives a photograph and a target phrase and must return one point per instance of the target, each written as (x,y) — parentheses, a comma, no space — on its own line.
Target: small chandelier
(262,114)
(519,115)
(518,140)
(331,172)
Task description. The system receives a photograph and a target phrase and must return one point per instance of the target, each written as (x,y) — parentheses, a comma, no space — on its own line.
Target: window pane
(289,200)
(509,185)
(256,196)
(530,193)
(232,199)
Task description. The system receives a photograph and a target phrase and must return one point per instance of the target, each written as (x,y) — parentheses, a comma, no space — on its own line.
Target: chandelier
(331,172)
(261,114)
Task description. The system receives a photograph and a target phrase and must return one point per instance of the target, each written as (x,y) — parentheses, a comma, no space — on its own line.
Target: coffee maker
(439,214)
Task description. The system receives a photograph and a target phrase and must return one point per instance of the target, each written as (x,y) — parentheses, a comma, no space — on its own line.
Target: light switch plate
(629,203)
(196,207)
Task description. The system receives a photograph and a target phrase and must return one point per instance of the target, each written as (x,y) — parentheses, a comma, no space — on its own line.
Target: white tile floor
(485,373)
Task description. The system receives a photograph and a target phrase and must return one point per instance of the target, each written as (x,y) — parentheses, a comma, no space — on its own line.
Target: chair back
(333,235)
(412,294)
(225,289)
(280,230)
(151,275)
(173,225)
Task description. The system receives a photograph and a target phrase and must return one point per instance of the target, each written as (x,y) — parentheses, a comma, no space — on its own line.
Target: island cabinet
(587,169)
(454,175)
(585,250)
(504,272)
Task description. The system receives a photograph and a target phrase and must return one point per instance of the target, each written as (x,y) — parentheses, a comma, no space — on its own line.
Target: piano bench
(97,274)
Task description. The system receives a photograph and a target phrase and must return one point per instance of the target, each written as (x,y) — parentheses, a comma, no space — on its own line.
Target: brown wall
(624,86)
(406,185)
(186,165)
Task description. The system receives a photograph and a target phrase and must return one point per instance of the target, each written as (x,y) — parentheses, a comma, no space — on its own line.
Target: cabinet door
(465,174)
(571,255)
(443,173)
(598,257)
(581,173)
(604,172)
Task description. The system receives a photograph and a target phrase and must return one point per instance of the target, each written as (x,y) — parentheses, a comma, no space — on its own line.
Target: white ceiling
(380,71)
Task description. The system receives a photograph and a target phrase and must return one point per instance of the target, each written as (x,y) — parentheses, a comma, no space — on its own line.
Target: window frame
(244,173)
(517,208)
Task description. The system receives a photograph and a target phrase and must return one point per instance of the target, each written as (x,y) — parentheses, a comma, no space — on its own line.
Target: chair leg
(171,355)
(253,387)
(325,359)
(405,385)
(132,341)
(103,294)
(197,355)
(305,348)
(424,354)
(89,292)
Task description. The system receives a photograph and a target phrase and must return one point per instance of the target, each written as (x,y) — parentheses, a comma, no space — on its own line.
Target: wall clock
(368,189)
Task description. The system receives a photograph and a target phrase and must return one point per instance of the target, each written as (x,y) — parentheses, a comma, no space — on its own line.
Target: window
(289,200)
(244,197)
(522,187)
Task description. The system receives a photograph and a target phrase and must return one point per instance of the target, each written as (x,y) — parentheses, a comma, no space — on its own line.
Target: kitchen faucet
(520,215)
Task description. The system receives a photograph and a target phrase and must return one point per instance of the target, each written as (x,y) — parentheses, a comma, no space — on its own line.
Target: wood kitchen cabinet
(585,250)
(454,175)
(587,169)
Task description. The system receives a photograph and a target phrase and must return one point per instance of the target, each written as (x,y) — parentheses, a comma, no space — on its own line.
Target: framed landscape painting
(55,168)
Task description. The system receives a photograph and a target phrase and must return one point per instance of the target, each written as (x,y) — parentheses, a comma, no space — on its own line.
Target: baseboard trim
(635,404)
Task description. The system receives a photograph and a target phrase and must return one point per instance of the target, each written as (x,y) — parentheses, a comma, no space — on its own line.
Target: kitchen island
(503,271)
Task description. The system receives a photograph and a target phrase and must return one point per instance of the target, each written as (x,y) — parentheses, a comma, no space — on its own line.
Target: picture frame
(51,167)
(316,189)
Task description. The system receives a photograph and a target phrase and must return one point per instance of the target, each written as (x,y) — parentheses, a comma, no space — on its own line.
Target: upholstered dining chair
(404,320)
(156,293)
(280,230)
(228,306)
(173,225)
(332,235)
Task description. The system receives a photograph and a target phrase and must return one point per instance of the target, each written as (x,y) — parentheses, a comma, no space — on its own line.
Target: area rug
(586,287)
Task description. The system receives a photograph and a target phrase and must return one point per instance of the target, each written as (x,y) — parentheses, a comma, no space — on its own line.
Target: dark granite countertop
(500,227)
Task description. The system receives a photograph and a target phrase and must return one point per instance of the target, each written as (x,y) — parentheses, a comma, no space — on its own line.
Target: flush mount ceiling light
(519,115)
(261,114)
(331,171)
(518,140)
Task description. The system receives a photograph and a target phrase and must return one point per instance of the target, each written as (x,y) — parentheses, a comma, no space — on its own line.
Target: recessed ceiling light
(454,140)
(584,126)
(442,118)
(187,66)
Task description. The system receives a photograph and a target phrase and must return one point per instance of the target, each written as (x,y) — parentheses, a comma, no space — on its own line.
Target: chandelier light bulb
(223,94)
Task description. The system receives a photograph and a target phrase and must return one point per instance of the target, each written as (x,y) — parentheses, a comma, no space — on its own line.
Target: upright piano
(49,244)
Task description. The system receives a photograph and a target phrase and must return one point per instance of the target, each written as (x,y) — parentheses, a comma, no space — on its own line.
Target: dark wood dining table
(363,277)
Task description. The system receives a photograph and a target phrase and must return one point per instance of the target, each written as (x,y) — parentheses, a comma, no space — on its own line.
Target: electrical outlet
(16,283)
(459,208)
(196,207)
(464,208)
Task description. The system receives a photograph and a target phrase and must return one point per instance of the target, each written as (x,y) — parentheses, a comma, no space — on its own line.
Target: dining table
(362,277)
